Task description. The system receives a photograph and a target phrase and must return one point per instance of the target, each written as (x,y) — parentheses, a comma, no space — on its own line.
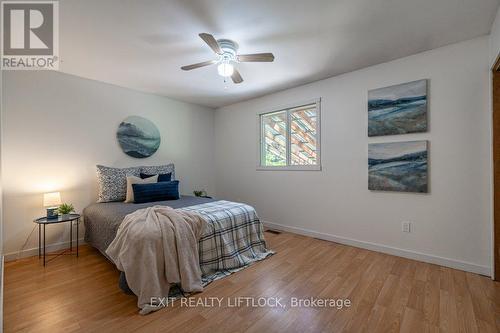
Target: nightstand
(44,221)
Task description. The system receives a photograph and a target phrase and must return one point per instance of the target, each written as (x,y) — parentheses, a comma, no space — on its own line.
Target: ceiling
(142,44)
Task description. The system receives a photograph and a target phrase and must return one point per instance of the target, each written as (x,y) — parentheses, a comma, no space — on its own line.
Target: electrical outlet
(406,226)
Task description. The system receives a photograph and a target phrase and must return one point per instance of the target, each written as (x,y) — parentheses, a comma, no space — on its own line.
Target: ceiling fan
(226,50)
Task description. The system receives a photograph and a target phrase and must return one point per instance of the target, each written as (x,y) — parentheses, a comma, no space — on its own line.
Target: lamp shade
(52,199)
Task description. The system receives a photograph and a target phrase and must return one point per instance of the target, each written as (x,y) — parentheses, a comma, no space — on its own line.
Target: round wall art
(138,137)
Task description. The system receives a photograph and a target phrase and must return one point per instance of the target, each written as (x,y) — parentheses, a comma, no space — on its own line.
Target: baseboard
(34,251)
(452,263)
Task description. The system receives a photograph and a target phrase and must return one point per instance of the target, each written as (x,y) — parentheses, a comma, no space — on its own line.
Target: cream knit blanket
(156,247)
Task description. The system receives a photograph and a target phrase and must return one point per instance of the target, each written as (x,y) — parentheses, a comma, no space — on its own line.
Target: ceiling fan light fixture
(227,54)
(225,69)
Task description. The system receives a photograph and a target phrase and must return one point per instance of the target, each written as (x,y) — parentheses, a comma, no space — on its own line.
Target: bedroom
(362,154)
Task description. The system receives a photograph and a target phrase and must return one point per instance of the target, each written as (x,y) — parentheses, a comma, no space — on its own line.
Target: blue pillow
(163,177)
(156,191)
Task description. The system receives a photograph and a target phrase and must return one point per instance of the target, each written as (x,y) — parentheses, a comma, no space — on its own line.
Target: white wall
(495,39)
(451,224)
(57,127)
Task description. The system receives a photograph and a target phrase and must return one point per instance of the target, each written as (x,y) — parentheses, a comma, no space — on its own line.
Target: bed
(231,239)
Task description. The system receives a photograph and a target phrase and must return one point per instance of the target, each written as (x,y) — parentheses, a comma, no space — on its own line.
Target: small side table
(43,221)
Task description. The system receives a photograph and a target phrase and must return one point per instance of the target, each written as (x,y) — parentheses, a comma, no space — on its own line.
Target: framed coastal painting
(398,166)
(398,109)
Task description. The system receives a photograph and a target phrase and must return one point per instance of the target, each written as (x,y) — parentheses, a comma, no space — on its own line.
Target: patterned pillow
(112,182)
(159,169)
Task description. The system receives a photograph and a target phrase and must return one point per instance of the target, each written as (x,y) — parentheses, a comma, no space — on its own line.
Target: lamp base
(52,213)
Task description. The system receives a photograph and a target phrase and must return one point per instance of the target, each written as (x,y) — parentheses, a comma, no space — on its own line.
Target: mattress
(103,219)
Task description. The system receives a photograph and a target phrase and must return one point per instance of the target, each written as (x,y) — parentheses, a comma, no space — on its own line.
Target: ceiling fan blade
(236,77)
(198,65)
(257,57)
(210,40)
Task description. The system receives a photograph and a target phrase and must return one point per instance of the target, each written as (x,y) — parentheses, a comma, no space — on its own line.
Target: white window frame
(289,167)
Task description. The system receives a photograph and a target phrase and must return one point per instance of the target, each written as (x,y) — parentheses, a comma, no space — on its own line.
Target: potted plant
(65,209)
(201,193)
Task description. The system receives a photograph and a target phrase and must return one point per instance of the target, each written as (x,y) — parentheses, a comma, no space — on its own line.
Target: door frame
(495,100)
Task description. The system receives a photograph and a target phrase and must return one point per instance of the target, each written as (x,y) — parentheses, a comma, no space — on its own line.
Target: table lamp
(51,201)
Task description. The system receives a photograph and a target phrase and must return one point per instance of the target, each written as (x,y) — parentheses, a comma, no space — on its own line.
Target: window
(289,138)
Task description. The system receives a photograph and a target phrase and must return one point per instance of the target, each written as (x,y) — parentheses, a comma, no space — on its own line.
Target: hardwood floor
(388,294)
